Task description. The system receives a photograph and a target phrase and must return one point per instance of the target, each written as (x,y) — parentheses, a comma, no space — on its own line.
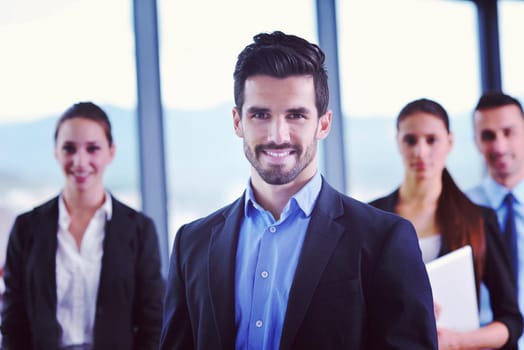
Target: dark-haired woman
(82,270)
(445,220)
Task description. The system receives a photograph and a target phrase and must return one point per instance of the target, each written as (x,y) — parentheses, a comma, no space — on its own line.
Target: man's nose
(499,143)
(279,130)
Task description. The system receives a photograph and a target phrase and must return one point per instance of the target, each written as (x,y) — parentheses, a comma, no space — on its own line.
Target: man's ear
(324,125)
(476,132)
(237,122)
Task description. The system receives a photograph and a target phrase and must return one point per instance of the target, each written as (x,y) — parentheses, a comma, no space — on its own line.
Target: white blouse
(430,247)
(78,274)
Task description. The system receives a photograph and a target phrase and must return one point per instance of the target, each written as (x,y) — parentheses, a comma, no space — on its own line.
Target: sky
(57,52)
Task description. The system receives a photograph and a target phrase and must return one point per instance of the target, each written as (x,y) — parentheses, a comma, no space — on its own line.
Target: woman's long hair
(460,221)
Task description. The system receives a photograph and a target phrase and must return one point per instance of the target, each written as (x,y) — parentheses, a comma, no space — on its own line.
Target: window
(512,56)
(392,52)
(56,53)
(198,48)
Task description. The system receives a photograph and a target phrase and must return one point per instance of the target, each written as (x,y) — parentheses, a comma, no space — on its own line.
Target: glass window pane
(392,52)
(511,14)
(199,42)
(56,53)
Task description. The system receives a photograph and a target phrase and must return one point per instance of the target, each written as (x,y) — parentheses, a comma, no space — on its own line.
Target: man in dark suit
(293,264)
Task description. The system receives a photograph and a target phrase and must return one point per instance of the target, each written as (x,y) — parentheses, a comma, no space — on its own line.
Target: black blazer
(497,276)
(129,303)
(360,282)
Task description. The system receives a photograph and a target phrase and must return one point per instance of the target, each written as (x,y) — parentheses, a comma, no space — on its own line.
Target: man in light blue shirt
(268,253)
(292,263)
(499,136)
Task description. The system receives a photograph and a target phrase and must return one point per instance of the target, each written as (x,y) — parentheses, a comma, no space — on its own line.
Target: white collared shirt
(78,274)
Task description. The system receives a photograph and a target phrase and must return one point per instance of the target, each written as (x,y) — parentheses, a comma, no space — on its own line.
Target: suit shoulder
(46,208)
(118,205)
(24,222)
(380,203)
(387,203)
(376,230)
(373,216)
(119,208)
(214,218)
(355,213)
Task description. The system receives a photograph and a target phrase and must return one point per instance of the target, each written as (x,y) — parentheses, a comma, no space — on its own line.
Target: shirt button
(258,324)
(264,274)
(272,229)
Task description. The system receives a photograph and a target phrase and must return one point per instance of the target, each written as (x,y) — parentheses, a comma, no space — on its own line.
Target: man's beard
(275,174)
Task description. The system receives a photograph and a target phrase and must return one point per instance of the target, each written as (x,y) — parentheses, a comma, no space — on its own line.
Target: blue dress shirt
(267,256)
(491,194)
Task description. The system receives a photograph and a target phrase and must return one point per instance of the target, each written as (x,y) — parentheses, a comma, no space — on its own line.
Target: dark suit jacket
(360,282)
(496,276)
(129,303)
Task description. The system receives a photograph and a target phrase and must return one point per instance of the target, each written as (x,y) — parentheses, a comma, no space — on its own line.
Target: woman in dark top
(445,220)
(83,269)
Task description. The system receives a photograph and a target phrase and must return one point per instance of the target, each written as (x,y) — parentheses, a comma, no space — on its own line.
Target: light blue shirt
(266,260)
(491,194)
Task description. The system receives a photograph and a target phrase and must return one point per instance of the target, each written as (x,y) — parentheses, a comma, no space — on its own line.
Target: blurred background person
(445,220)
(498,122)
(7,218)
(82,270)
(6,221)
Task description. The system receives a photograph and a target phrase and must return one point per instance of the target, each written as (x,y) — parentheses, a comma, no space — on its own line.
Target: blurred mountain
(203,151)
(200,146)
(375,166)
(27,151)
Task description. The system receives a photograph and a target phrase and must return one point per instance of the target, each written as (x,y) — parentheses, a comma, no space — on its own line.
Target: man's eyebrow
(255,109)
(294,110)
(298,110)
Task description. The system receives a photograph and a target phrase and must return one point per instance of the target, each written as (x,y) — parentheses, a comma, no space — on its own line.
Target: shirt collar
(63,216)
(518,192)
(496,192)
(305,198)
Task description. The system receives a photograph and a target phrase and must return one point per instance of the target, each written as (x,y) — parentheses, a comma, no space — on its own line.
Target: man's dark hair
(281,55)
(494,99)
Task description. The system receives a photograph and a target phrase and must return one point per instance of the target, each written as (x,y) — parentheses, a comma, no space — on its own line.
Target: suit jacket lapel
(321,240)
(115,257)
(221,268)
(46,228)
(42,273)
